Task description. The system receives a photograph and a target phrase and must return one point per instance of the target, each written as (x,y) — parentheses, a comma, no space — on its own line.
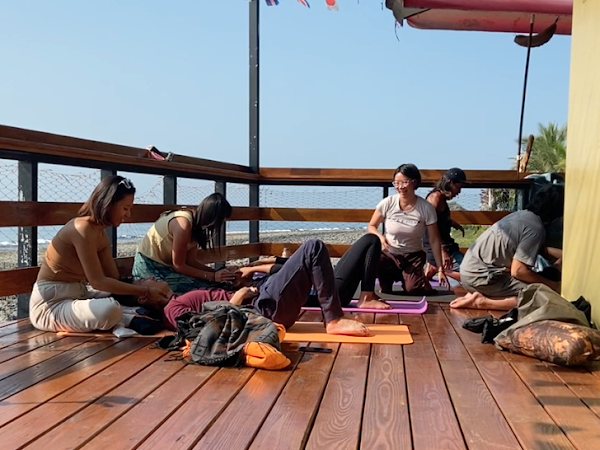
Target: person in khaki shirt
(170,249)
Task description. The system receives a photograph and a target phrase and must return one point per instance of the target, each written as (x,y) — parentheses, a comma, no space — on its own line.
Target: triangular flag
(304,3)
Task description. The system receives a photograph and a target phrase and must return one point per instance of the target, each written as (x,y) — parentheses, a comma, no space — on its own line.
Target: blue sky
(338,89)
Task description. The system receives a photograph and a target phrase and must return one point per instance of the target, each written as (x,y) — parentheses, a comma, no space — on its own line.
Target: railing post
(27,236)
(221,236)
(169,190)
(254,116)
(110,231)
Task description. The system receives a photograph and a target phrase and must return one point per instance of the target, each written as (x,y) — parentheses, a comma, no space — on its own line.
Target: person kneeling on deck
(499,264)
(279,298)
(79,254)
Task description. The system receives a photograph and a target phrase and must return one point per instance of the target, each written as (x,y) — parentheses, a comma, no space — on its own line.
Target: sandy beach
(8,257)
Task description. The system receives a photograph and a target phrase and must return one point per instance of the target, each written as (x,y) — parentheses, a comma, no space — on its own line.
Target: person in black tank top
(448,187)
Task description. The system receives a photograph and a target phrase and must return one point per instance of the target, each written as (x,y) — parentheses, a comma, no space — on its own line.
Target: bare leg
(476,300)
(346,326)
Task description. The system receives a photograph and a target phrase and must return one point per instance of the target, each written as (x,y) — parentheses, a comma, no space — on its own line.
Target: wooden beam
(23,134)
(364,215)
(379,176)
(129,162)
(24,214)
(19,281)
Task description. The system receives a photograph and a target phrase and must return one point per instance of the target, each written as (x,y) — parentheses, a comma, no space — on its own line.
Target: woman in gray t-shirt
(406,217)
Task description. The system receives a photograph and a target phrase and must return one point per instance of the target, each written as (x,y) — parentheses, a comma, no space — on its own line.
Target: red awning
(510,16)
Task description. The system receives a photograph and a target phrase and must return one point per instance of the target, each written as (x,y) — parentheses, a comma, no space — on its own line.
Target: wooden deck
(446,391)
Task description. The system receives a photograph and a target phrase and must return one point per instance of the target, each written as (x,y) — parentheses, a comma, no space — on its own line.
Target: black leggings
(358,265)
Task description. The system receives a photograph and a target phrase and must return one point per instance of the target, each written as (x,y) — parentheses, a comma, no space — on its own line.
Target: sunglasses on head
(126,182)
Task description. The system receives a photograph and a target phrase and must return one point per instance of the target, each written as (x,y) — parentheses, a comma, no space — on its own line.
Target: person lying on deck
(169,250)
(406,216)
(499,264)
(358,265)
(279,297)
(447,188)
(79,255)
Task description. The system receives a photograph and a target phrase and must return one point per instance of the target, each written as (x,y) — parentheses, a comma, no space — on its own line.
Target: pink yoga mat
(397,307)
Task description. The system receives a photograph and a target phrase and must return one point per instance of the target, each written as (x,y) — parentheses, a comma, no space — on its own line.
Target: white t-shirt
(404,229)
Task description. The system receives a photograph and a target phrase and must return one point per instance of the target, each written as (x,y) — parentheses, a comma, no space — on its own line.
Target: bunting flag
(272,2)
(332,5)
(304,3)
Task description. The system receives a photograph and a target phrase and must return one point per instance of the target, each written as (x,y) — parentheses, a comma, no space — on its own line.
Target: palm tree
(548,155)
(549,150)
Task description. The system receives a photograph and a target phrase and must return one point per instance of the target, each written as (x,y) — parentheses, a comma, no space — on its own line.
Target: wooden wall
(581,273)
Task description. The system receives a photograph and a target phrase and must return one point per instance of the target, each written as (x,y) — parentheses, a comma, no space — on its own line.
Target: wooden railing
(32,147)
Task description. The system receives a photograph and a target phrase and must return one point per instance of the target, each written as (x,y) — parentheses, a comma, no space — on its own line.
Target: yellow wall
(581,265)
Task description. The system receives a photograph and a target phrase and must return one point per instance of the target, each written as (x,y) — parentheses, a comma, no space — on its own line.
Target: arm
(435,199)
(457,226)
(436,247)
(376,220)
(85,241)
(181,229)
(523,272)
(192,260)
(109,266)
(243,294)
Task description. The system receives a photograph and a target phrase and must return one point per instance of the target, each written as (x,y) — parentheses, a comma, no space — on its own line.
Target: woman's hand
(443,279)
(153,297)
(459,227)
(385,247)
(447,260)
(224,275)
(266,260)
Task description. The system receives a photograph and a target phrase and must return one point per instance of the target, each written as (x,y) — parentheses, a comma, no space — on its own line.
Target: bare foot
(349,327)
(371,301)
(472,300)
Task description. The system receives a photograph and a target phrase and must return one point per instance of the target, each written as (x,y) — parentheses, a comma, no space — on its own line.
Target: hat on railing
(457,175)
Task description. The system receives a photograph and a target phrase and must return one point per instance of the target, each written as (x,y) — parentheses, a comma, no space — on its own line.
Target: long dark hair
(443,185)
(548,203)
(410,171)
(208,218)
(108,192)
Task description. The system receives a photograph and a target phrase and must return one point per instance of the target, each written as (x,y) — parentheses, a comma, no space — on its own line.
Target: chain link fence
(69,184)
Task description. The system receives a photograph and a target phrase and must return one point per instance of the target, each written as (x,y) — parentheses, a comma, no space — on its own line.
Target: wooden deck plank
(96,416)
(433,421)
(338,420)
(288,424)
(248,409)
(12,322)
(582,383)
(386,421)
(190,422)
(14,327)
(482,423)
(30,426)
(30,398)
(57,362)
(145,417)
(573,416)
(532,425)
(22,347)
(20,336)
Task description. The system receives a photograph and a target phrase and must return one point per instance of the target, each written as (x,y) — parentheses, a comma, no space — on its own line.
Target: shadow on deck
(446,391)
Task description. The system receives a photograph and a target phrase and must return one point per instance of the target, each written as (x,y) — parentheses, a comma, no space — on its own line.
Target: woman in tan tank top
(169,251)
(78,274)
